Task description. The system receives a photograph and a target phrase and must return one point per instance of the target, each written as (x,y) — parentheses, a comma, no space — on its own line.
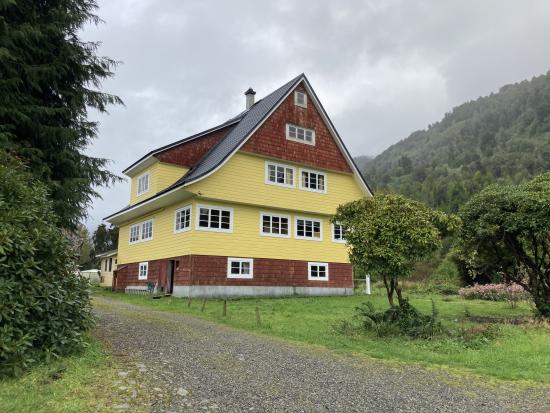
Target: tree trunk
(390,287)
(542,303)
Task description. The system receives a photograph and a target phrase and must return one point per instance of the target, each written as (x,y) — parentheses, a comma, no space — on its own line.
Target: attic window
(300,99)
(143,184)
(299,134)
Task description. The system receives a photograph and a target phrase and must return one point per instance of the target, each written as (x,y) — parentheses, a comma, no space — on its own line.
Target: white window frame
(138,225)
(184,229)
(143,191)
(280,165)
(289,125)
(296,236)
(146,266)
(334,239)
(313,171)
(152,229)
(296,101)
(198,215)
(272,214)
(317,264)
(250,261)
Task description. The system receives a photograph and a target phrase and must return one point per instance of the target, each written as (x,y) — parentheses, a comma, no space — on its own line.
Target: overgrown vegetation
(402,319)
(44,307)
(506,234)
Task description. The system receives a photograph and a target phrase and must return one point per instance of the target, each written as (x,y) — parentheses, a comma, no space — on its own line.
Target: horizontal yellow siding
(246,241)
(165,242)
(161,176)
(240,184)
(242,179)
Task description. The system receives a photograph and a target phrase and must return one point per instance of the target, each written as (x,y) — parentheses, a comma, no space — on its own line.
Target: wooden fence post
(258,319)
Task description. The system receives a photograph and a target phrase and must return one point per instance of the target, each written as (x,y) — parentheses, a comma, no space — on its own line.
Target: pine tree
(49,79)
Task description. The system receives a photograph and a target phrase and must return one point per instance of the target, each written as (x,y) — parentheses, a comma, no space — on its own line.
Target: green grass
(517,353)
(74,384)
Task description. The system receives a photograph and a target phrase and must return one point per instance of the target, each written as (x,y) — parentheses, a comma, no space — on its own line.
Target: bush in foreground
(44,307)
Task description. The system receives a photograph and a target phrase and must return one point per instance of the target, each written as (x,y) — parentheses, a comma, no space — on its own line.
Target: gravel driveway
(204,366)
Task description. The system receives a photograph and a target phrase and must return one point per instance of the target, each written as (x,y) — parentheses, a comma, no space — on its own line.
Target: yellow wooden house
(243,208)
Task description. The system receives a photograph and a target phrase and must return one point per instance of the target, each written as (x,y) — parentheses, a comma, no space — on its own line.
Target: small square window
(338,233)
(317,271)
(240,267)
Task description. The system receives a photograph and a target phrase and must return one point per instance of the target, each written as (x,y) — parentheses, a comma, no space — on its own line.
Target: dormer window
(300,99)
(299,134)
(143,184)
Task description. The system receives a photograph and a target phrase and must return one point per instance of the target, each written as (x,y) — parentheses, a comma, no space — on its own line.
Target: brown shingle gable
(270,139)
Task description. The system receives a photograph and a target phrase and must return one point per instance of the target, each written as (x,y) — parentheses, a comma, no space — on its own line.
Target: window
(110,264)
(275,225)
(134,233)
(307,228)
(279,174)
(338,233)
(143,270)
(300,99)
(313,180)
(299,134)
(240,267)
(147,230)
(143,184)
(317,271)
(105,265)
(183,219)
(215,219)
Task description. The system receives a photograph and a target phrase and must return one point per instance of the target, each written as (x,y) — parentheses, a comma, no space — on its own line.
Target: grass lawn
(74,384)
(519,352)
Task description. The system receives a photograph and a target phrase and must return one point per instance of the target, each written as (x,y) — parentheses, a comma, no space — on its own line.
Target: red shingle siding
(212,270)
(188,154)
(270,138)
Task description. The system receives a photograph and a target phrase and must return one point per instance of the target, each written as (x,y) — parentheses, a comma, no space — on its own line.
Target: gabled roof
(107,254)
(246,123)
(152,153)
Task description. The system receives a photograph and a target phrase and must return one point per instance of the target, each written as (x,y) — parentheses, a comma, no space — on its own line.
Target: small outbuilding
(107,265)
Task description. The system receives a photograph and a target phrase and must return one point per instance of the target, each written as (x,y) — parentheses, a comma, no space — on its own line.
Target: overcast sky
(382,69)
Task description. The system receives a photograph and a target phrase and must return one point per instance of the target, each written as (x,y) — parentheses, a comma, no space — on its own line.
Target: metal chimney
(249,97)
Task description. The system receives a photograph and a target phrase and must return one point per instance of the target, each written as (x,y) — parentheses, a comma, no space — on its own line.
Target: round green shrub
(44,307)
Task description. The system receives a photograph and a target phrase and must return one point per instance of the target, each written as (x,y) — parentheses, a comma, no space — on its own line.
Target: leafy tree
(44,307)
(48,80)
(105,238)
(388,234)
(506,233)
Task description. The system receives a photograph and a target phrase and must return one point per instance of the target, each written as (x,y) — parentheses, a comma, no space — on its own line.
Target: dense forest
(504,137)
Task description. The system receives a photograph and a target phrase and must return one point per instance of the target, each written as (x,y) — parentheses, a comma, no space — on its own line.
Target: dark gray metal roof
(253,117)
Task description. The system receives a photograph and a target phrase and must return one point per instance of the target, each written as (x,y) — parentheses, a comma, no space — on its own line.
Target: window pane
(284,226)
(272,173)
(300,228)
(289,176)
(235,267)
(203,217)
(266,228)
(309,136)
(321,182)
(245,268)
(226,220)
(292,132)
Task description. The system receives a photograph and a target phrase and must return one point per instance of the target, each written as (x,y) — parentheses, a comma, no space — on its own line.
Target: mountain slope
(503,137)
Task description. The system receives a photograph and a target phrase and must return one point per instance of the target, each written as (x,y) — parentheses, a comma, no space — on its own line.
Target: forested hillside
(504,137)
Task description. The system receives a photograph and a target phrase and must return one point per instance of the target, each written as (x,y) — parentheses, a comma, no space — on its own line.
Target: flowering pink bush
(494,292)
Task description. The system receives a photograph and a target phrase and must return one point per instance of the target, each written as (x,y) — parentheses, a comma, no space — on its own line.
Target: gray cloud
(381,68)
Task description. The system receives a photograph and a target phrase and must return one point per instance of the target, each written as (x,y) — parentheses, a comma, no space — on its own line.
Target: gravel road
(204,366)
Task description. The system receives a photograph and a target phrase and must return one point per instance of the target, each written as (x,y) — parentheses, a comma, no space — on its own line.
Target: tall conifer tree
(49,79)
